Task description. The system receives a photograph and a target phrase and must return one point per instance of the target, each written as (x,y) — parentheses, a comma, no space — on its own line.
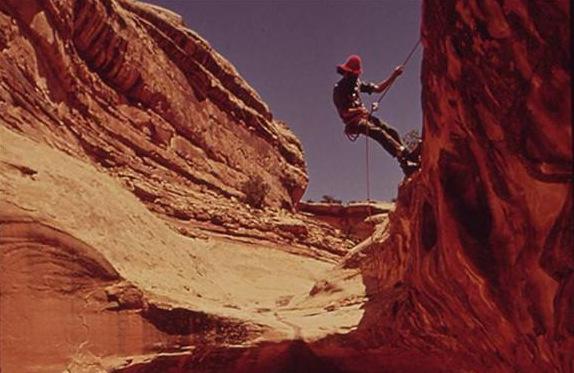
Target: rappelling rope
(374,107)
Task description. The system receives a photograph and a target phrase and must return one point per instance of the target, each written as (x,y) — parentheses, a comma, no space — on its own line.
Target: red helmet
(352,65)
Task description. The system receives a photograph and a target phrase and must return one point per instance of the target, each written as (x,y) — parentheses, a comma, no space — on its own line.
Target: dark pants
(379,131)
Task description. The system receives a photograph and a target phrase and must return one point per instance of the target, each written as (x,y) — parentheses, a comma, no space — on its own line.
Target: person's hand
(398,70)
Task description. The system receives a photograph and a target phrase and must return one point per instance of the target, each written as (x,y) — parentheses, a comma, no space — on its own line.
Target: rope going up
(374,107)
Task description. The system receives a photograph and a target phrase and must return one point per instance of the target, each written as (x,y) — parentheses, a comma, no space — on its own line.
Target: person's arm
(390,80)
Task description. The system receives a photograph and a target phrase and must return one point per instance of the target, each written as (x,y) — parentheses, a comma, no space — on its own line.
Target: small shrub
(412,139)
(330,199)
(255,190)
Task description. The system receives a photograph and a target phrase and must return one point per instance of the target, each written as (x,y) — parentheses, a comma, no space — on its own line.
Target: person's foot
(409,167)
(402,153)
(409,162)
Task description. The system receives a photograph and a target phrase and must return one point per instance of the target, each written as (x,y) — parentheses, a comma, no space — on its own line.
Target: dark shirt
(346,94)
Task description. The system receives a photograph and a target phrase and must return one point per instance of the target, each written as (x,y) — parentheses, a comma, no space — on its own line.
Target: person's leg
(387,136)
(386,140)
(368,128)
(409,161)
(387,128)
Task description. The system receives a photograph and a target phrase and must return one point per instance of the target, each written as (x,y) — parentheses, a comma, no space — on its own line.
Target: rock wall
(477,272)
(93,286)
(126,232)
(127,87)
(356,219)
(473,272)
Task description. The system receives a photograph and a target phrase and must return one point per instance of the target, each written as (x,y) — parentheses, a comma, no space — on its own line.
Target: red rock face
(479,268)
(476,272)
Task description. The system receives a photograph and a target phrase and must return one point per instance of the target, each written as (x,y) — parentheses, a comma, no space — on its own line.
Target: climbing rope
(374,107)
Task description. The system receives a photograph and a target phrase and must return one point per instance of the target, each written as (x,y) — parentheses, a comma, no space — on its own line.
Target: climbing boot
(409,167)
(409,161)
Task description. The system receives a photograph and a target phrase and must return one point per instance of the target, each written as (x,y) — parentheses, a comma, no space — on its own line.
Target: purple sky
(288,50)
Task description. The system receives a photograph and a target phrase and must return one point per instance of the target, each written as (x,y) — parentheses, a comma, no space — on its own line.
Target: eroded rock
(108,110)
(127,87)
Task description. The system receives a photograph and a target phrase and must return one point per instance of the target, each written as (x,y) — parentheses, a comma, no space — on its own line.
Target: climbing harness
(352,136)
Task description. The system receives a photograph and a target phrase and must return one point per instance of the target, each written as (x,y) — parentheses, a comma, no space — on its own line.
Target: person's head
(352,66)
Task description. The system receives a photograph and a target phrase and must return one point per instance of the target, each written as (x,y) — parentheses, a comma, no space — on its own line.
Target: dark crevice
(467,201)
(429,228)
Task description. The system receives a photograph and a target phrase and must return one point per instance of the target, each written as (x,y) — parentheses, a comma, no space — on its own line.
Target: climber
(358,120)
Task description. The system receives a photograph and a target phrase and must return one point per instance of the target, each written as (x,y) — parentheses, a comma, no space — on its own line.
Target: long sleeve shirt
(346,94)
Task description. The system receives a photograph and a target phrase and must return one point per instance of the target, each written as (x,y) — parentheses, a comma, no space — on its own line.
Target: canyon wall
(477,273)
(127,242)
(127,87)
(475,269)
(146,192)
(354,219)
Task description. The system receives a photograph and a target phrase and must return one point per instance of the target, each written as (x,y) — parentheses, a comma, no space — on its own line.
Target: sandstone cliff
(127,87)
(123,222)
(356,219)
(125,228)
(476,270)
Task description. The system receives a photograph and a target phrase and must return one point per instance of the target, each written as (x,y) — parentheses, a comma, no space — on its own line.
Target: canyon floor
(151,302)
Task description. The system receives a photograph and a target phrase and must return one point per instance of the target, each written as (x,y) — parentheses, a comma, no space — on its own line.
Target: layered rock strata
(126,233)
(127,87)
(356,219)
(474,271)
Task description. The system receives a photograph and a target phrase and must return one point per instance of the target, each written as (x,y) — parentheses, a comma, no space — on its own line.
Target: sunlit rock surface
(125,232)
(355,219)
(127,87)
(475,270)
